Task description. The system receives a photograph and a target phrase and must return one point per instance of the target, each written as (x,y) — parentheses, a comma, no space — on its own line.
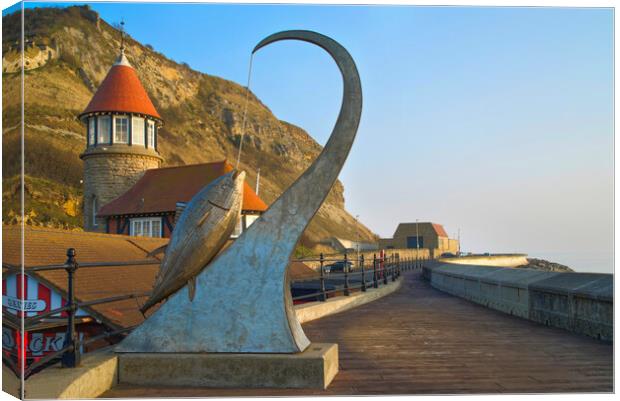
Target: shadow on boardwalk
(422,341)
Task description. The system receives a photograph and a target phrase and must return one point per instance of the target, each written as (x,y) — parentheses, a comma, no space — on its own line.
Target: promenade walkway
(422,341)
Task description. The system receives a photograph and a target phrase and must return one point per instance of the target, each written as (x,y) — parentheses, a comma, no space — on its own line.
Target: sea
(580,261)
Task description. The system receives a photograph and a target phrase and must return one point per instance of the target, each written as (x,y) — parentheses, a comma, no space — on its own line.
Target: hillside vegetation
(68,53)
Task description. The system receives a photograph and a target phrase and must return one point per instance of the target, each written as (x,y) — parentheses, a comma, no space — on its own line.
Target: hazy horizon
(495,121)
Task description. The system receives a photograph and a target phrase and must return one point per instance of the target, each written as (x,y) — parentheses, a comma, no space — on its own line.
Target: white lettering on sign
(38,343)
(29,305)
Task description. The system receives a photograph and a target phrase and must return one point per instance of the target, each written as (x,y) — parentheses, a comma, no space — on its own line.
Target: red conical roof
(122,91)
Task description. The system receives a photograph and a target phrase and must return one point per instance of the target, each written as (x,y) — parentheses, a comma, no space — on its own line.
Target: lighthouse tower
(121,131)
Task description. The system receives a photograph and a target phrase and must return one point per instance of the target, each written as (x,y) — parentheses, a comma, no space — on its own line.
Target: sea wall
(578,302)
(503,260)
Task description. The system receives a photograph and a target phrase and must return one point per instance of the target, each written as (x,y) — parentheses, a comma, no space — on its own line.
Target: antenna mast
(122,37)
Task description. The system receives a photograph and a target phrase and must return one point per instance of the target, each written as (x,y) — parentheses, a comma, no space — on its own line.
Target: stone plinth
(314,368)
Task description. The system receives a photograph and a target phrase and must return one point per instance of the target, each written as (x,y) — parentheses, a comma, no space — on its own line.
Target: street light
(357,232)
(417,241)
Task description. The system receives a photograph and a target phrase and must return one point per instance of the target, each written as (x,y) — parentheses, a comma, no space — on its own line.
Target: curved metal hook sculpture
(242,301)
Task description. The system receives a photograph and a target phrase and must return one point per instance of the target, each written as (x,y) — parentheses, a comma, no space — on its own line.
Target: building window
(91,131)
(94,211)
(145,227)
(150,134)
(415,242)
(103,130)
(137,130)
(121,129)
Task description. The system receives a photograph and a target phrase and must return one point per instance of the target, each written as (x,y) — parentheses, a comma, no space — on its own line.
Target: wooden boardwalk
(422,341)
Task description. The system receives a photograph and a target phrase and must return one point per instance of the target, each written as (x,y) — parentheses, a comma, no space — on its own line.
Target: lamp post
(417,241)
(357,233)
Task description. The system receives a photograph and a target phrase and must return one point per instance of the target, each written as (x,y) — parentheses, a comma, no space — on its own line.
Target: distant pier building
(419,235)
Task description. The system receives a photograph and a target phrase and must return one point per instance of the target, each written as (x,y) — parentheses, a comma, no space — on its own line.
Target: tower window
(91,131)
(104,129)
(121,129)
(137,130)
(146,227)
(150,134)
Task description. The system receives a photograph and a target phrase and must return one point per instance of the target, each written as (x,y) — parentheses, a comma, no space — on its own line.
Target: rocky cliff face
(68,53)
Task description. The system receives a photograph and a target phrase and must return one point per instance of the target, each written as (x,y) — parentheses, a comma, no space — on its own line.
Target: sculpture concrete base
(314,368)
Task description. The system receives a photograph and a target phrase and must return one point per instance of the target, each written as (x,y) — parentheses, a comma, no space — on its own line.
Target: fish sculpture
(202,230)
(243,300)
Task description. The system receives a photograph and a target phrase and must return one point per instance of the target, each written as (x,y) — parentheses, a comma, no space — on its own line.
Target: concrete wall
(505,260)
(316,310)
(578,302)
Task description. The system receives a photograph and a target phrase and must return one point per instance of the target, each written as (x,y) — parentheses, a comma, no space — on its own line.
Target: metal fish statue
(202,230)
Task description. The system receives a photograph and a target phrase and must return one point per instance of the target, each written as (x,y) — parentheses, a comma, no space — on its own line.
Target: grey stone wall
(107,175)
(578,302)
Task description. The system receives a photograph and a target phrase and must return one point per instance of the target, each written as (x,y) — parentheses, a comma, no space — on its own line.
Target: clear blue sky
(497,121)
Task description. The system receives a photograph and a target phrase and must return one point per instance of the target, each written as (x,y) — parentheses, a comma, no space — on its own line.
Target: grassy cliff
(68,53)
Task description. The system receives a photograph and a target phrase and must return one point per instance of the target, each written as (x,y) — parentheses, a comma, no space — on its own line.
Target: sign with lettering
(28,305)
(37,344)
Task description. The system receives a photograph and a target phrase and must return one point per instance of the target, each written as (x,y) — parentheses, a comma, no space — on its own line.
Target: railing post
(71,358)
(323,294)
(375,283)
(384,270)
(363,273)
(346,274)
(393,267)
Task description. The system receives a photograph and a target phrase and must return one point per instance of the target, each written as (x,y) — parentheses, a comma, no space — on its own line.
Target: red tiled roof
(49,246)
(439,230)
(122,91)
(159,190)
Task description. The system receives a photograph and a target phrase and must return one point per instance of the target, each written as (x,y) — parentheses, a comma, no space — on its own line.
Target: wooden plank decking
(422,341)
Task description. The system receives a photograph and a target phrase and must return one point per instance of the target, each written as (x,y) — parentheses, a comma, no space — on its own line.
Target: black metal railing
(354,276)
(69,354)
